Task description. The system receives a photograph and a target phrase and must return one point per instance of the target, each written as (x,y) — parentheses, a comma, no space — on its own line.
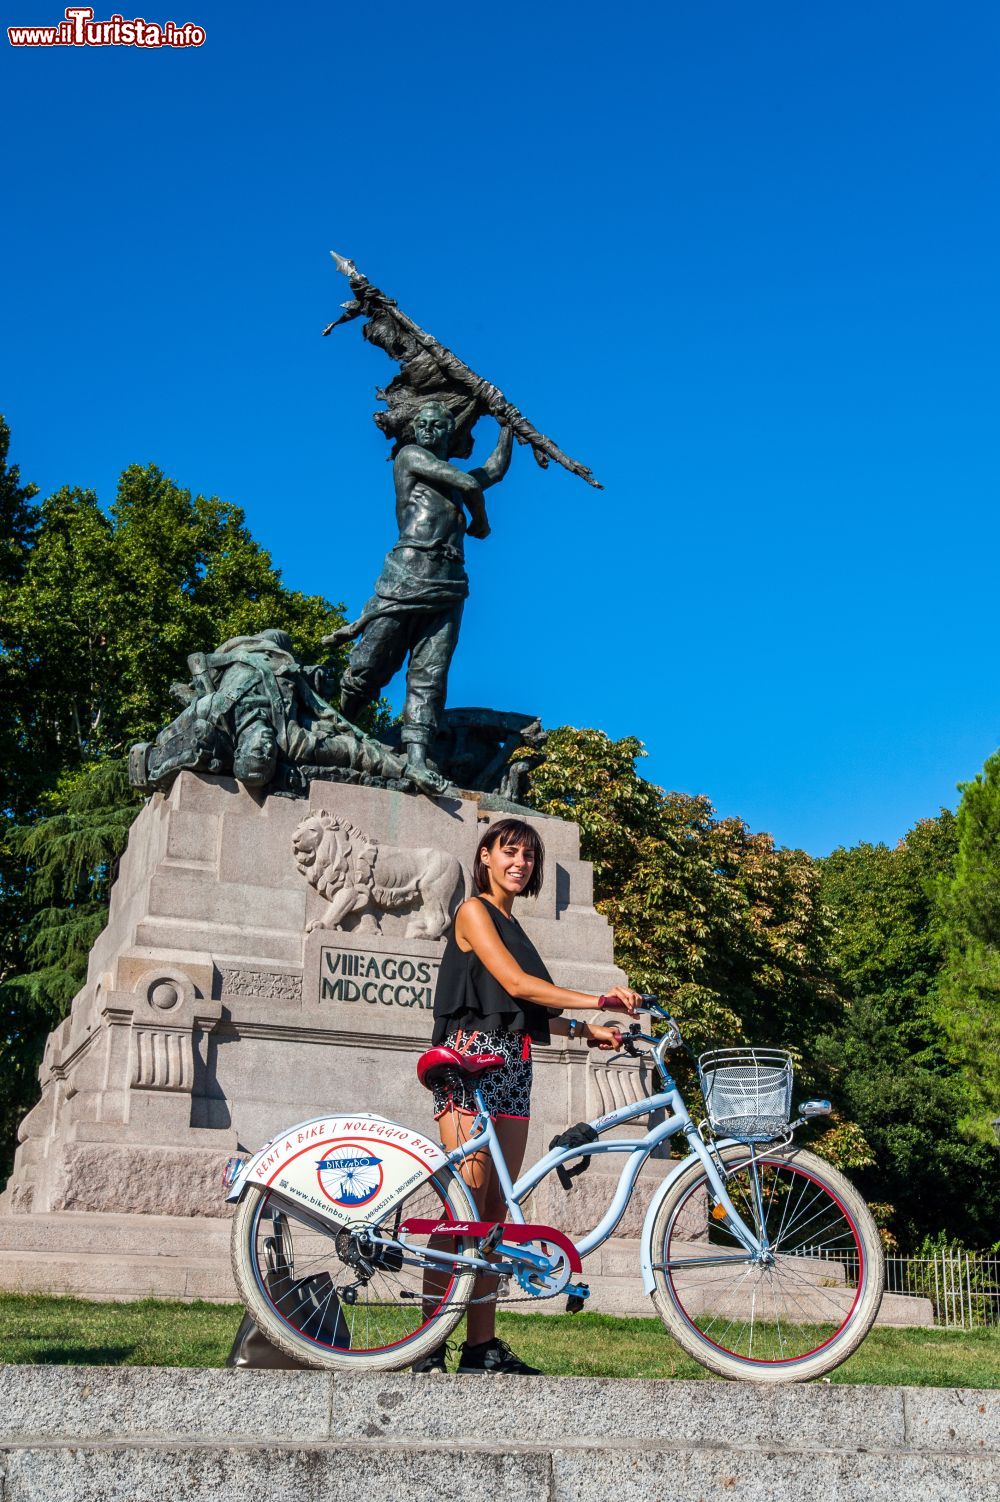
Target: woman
(494,995)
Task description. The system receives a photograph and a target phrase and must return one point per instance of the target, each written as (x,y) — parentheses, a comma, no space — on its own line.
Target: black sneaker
(494,1356)
(434,1361)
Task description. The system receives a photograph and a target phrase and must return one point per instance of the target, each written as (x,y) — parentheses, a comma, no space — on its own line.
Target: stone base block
(249,979)
(171,1257)
(151,1181)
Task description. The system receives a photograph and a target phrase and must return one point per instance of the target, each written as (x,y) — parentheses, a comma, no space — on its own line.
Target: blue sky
(739,259)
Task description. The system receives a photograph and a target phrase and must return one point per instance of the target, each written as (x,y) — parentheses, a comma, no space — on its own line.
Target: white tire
(789,1317)
(303,1308)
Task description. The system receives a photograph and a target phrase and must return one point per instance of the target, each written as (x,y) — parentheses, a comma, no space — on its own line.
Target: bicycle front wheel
(788,1314)
(329,1298)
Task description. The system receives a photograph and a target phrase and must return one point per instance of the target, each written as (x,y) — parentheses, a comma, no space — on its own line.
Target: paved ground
(142,1435)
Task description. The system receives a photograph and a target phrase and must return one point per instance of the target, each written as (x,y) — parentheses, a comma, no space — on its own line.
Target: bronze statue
(417,605)
(430,372)
(254,711)
(433,404)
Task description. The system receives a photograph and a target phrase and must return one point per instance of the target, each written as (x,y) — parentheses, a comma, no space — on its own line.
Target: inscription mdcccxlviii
(389,980)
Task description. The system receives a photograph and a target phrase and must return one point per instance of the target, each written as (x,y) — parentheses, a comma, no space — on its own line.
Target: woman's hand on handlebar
(620,999)
(604,1038)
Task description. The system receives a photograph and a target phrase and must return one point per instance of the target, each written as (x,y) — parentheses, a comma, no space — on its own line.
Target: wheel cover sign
(350,1176)
(347,1168)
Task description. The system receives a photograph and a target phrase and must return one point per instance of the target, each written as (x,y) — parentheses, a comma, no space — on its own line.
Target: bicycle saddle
(433,1066)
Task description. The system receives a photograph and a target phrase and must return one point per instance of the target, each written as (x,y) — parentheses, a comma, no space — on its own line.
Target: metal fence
(963,1287)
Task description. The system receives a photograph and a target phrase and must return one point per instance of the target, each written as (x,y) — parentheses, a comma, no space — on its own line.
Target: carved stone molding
(167,1009)
(612,1086)
(271,985)
(360,880)
(162,1060)
(165,989)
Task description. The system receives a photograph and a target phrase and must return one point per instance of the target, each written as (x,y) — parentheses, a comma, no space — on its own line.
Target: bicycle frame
(484,1137)
(766,1307)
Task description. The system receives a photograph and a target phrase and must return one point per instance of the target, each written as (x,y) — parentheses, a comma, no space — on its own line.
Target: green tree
(885,939)
(98,613)
(18,525)
(110,604)
(653,874)
(18,517)
(770,953)
(890,1073)
(727,928)
(968,1008)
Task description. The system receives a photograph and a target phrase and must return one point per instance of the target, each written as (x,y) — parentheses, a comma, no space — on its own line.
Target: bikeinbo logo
(350,1176)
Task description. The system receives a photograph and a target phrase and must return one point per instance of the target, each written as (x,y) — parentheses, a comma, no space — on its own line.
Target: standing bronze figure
(433,405)
(419,596)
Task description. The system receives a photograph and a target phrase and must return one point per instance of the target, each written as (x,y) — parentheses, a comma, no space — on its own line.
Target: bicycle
(761,1260)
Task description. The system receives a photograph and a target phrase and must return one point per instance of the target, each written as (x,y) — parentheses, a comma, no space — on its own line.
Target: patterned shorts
(506,1090)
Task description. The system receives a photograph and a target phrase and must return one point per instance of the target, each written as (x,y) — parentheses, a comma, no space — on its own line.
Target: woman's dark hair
(505,833)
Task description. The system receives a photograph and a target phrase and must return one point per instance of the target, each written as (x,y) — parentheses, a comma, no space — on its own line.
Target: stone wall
(218,1010)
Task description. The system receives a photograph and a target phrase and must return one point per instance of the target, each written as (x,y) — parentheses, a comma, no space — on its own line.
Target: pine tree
(18,526)
(18,517)
(98,613)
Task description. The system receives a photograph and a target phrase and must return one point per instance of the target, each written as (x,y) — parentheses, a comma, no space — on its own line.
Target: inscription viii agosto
(388,980)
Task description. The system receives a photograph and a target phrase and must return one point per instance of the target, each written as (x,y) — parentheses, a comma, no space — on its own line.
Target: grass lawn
(39,1328)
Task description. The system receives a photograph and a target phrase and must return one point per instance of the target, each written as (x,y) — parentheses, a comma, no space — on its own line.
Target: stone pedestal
(216,1012)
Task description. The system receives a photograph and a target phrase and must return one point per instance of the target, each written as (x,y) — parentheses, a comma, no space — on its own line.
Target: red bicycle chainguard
(511,1233)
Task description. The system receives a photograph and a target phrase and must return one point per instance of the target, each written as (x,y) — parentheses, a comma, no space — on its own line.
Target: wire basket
(748,1091)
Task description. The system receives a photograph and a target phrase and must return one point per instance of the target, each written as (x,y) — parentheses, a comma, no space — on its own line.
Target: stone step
(150,1235)
(905,1311)
(626,1297)
(108,1277)
(196,1238)
(145,1434)
(172,1257)
(653,1471)
(105,1276)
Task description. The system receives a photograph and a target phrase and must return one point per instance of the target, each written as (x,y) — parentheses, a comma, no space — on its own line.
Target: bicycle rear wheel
(318,1297)
(790,1315)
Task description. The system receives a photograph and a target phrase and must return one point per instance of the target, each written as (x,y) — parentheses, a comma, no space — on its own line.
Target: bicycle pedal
(491,1240)
(578,1293)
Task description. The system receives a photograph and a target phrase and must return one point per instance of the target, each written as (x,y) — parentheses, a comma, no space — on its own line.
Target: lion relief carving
(360,879)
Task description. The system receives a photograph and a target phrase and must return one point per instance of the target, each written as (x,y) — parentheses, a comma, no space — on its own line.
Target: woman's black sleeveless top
(468,996)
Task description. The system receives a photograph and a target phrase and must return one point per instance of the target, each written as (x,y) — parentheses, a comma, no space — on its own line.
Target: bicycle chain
(486,1298)
(503,1298)
(489,1298)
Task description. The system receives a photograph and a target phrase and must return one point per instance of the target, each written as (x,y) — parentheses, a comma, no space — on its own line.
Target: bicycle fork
(723,1211)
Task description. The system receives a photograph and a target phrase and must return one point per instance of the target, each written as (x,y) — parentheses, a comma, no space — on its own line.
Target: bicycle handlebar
(671,1038)
(612,1004)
